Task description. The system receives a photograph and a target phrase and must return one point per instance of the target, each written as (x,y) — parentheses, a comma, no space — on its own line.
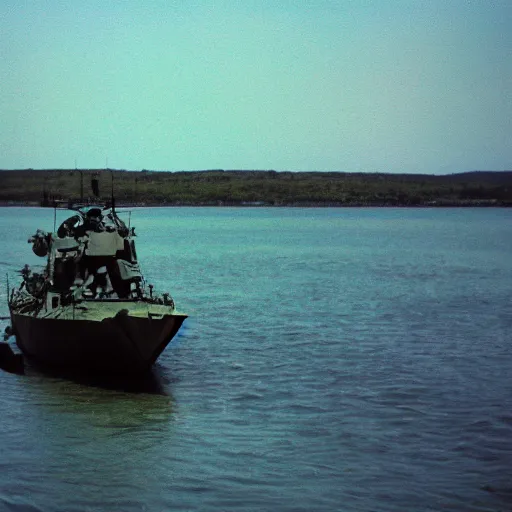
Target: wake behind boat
(90,307)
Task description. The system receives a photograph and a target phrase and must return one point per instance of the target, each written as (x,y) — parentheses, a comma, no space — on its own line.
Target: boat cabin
(91,256)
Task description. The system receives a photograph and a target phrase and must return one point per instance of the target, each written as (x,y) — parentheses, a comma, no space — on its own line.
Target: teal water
(334,359)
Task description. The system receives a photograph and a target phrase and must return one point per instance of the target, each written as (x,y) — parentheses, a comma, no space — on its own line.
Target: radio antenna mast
(113,200)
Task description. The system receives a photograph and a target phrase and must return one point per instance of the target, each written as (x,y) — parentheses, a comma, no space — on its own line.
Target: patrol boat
(90,308)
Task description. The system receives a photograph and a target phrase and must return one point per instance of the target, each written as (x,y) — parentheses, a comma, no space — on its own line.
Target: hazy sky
(388,86)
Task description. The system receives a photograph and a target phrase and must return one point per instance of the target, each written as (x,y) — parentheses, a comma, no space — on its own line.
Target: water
(334,359)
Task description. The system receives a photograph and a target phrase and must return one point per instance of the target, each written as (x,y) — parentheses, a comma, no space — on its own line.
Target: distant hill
(255,188)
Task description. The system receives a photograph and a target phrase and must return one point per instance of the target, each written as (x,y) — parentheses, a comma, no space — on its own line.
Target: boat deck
(100,310)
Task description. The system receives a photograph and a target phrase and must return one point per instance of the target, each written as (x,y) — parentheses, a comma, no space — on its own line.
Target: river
(334,360)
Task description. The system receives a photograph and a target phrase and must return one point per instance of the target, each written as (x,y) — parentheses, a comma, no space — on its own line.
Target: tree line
(256,188)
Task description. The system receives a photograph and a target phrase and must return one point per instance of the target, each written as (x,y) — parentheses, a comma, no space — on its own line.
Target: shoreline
(461,204)
(256,189)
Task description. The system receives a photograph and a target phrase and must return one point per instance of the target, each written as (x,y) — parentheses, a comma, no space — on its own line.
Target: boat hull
(118,344)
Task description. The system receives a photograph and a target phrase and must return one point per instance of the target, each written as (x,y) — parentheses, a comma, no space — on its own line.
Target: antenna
(113,198)
(81,183)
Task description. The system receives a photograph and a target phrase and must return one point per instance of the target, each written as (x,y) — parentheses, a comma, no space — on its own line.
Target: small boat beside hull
(119,344)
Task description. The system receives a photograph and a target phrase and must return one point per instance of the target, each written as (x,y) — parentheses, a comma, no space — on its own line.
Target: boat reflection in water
(155,381)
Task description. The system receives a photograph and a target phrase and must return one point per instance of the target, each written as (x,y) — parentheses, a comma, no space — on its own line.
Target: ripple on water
(334,359)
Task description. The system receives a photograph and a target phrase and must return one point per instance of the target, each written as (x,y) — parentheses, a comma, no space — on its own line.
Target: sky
(356,86)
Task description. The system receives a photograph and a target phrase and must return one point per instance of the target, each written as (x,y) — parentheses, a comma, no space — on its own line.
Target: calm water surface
(334,360)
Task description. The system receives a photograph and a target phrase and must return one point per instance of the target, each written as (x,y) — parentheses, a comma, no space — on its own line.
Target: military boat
(90,307)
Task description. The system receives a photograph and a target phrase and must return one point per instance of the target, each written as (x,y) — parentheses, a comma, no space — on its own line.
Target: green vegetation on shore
(239,188)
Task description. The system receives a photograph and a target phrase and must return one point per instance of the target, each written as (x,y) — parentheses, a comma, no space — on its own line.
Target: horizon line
(96,169)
